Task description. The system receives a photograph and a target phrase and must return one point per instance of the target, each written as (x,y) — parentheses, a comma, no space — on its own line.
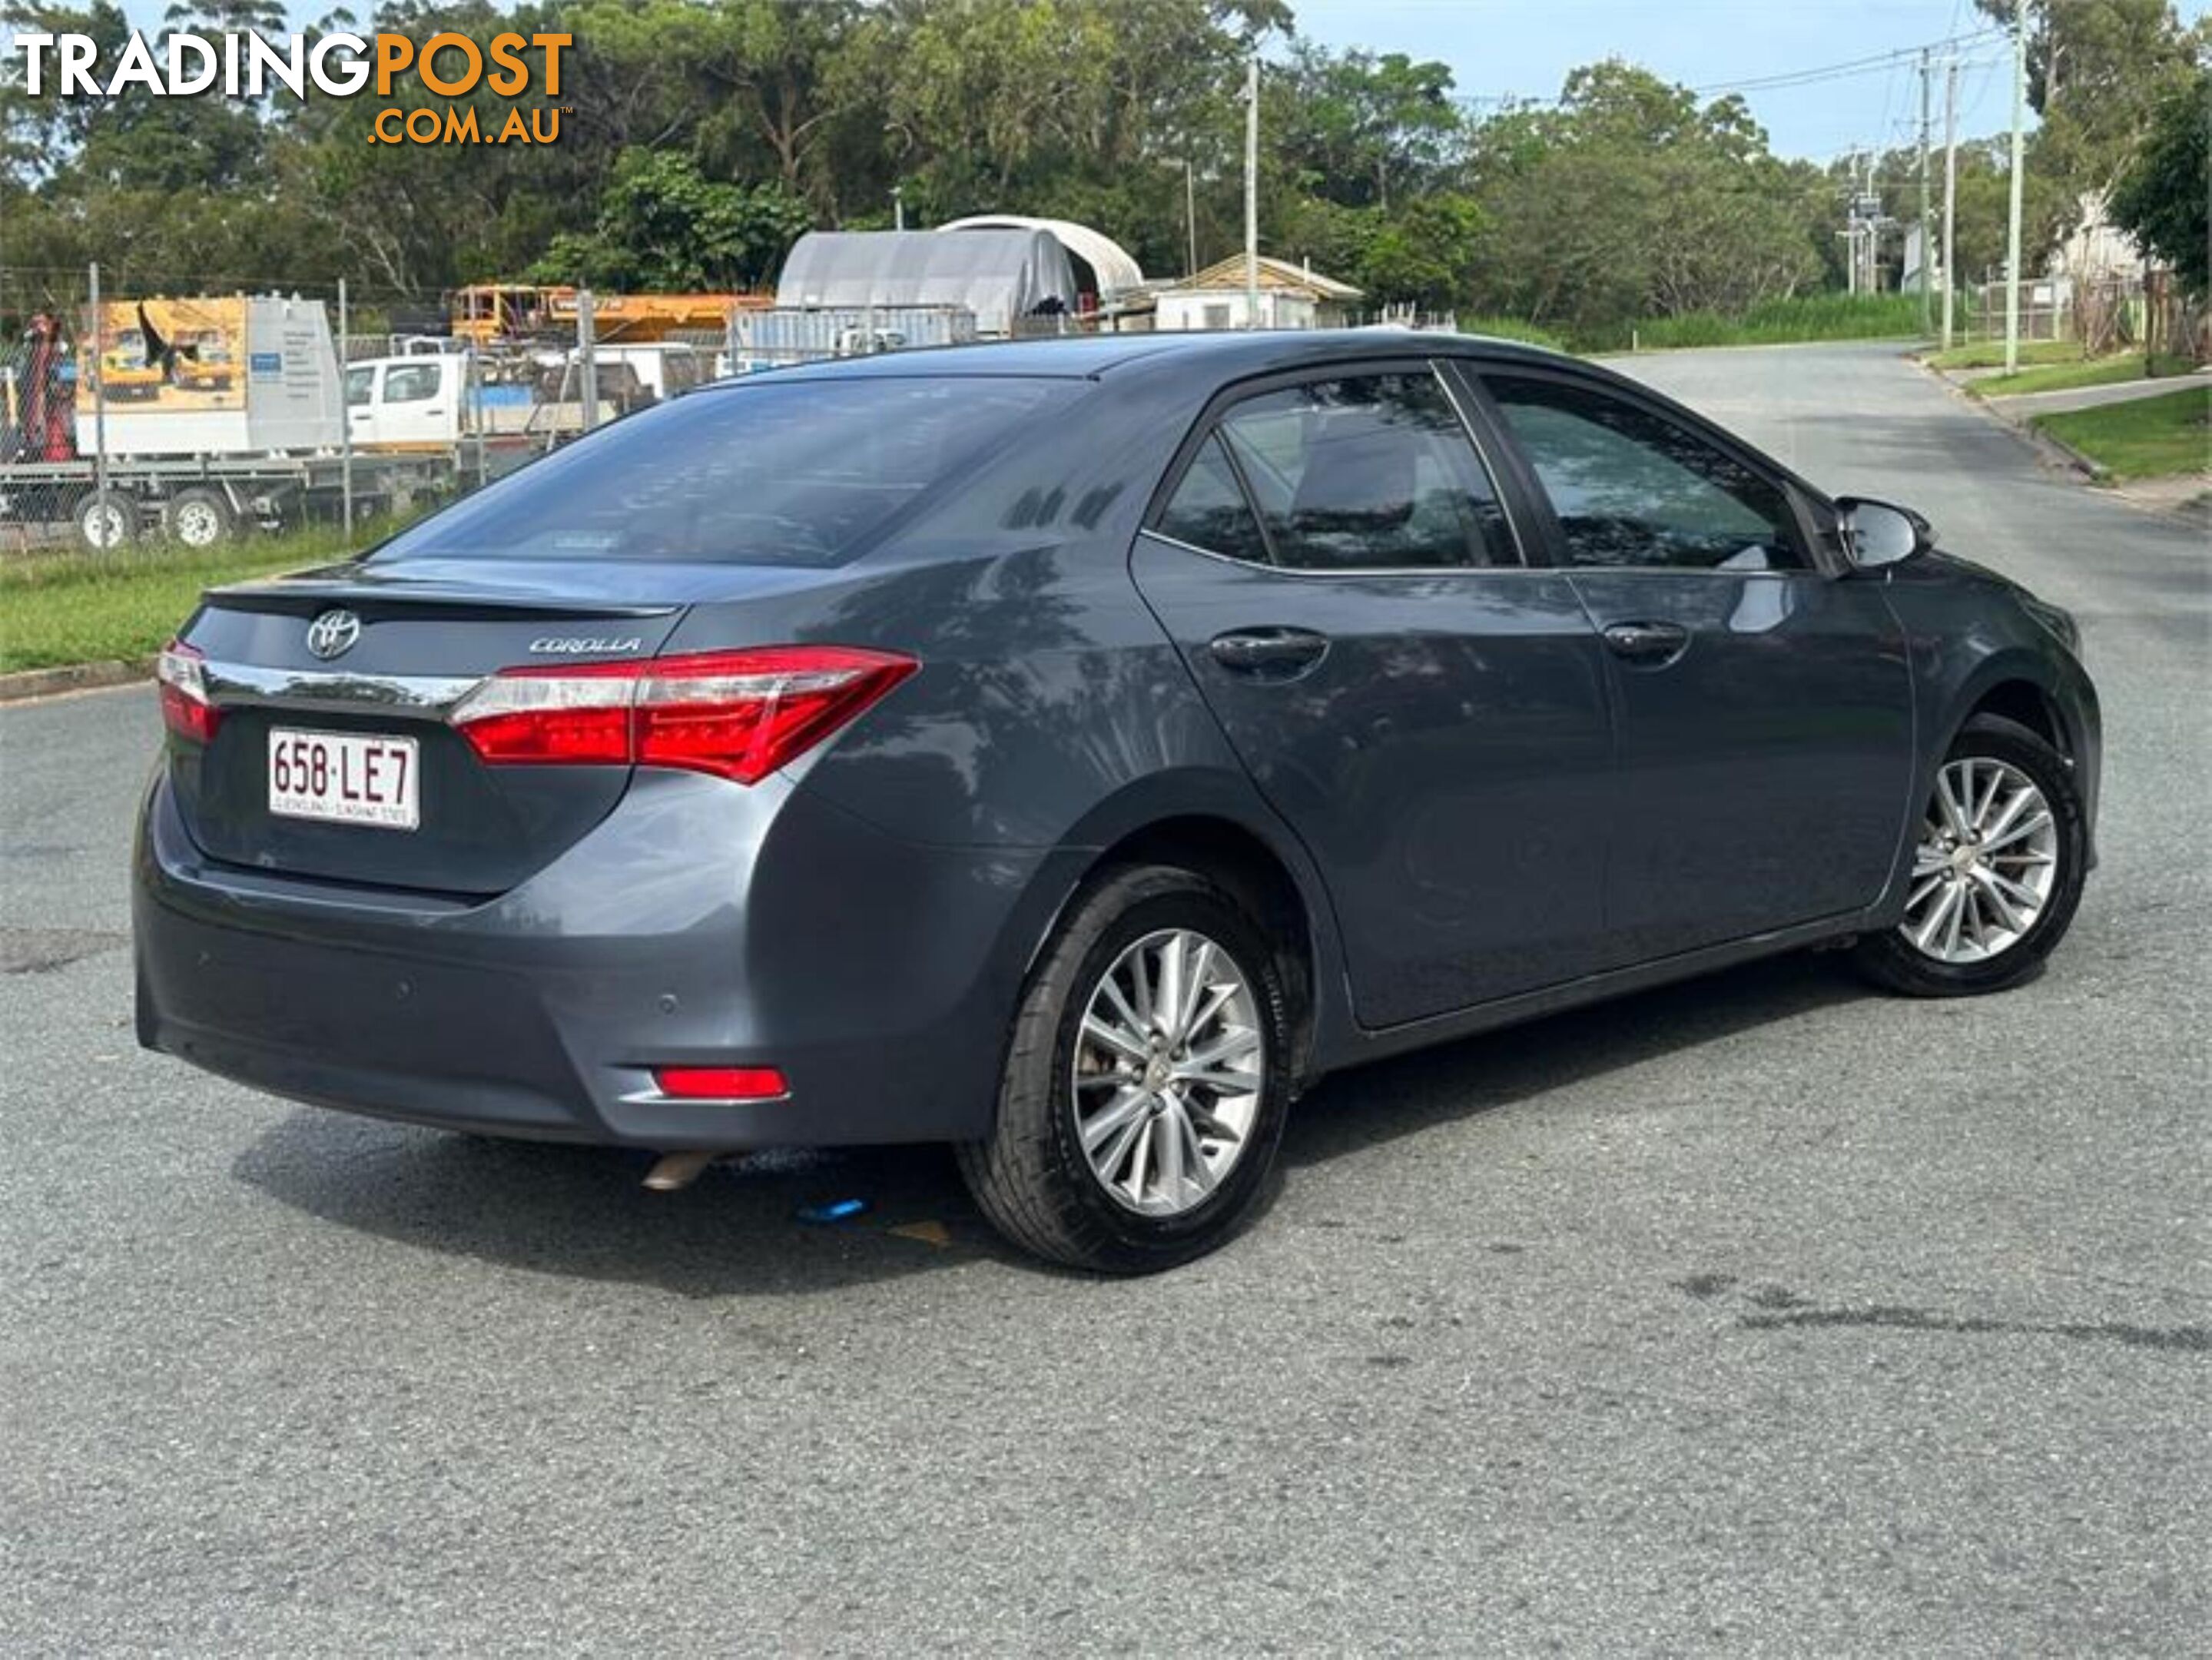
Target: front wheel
(1996,872)
(1146,1080)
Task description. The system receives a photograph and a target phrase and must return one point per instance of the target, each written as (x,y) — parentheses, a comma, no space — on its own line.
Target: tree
(2097,71)
(1630,198)
(2161,200)
(663,228)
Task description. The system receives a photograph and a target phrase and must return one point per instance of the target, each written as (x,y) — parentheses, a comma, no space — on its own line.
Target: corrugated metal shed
(1118,272)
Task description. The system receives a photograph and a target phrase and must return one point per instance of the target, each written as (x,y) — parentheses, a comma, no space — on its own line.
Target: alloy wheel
(1170,1066)
(1986,864)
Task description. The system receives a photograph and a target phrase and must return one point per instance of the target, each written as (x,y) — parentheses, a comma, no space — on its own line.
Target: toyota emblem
(333,633)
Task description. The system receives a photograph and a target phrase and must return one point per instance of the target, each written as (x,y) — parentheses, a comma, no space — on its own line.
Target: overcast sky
(1526,47)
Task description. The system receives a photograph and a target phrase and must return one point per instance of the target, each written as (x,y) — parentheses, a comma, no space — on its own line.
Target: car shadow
(754,1226)
(1390,1099)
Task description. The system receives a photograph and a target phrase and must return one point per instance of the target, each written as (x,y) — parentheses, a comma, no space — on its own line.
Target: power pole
(1252,193)
(2019,140)
(1950,190)
(1927,223)
(1190,216)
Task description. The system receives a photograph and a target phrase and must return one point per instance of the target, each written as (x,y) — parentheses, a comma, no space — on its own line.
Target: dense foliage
(700,136)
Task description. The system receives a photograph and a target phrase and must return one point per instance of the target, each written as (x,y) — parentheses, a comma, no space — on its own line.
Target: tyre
(199,518)
(1146,1079)
(106,520)
(1997,872)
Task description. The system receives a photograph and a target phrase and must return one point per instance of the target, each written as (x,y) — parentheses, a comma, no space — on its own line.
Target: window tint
(1367,472)
(358,384)
(792,473)
(1208,509)
(1632,488)
(410,383)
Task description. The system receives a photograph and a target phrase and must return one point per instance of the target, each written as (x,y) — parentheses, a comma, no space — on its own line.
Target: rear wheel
(199,518)
(1996,872)
(1147,1082)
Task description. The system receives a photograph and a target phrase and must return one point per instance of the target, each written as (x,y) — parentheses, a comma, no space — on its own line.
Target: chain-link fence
(230,410)
(2146,312)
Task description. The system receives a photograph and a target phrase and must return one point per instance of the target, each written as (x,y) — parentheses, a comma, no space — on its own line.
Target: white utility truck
(210,417)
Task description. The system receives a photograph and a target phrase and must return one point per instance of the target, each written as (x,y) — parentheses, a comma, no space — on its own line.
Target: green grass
(1990,354)
(2065,377)
(1782,322)
(1512,328)
(75,607)
(2146,438)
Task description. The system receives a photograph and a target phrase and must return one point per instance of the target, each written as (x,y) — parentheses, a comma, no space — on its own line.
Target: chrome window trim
(1478,570)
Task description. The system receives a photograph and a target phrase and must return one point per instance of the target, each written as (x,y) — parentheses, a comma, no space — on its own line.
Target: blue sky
(1526,47)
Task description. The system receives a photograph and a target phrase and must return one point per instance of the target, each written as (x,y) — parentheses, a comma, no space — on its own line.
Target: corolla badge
(557,646)
(333,634)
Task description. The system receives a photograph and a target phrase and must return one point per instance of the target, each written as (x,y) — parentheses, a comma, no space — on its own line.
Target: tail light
(185,709)
(737,714)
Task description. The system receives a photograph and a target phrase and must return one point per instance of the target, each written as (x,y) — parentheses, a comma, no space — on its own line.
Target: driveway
(1762,1314)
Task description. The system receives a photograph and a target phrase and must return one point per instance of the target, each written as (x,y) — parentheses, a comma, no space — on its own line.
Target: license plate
(345,778)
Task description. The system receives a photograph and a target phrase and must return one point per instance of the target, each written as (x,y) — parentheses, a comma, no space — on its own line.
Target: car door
(412,410)
(1342,574)
(1763,704)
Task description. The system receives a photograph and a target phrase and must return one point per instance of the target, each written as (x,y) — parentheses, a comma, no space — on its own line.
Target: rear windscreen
(794,472)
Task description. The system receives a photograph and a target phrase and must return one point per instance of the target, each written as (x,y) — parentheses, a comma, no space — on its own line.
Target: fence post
(345,417)
(587,360)
(471,389)
(99,390)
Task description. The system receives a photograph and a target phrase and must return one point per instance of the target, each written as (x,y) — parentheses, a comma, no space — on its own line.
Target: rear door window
(795,473)
(410,383)
(1208,509)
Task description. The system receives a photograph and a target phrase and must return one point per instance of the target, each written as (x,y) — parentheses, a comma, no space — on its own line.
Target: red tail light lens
(737,714)
(185,709)
(720,1083)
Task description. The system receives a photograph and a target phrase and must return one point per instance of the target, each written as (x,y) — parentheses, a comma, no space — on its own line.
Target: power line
(1849,67)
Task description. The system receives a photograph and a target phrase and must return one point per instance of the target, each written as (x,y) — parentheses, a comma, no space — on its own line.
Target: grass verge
(2066,377)
(1990,354)
(70,606)
(2147,438)
(1789,322)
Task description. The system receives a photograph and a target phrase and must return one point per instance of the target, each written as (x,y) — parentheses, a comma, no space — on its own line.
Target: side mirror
(1878,533)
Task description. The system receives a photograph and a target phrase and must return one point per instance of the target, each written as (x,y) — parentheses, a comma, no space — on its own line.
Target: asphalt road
(1759,1315)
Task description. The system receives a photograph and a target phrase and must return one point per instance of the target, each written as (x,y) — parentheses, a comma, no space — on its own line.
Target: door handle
(1269,653)
(1655,644)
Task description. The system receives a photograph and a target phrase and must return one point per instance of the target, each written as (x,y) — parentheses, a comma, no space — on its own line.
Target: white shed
(1291,297)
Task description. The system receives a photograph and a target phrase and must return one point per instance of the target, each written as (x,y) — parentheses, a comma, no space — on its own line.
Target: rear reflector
(720,1083)
(185,709)
(737,714)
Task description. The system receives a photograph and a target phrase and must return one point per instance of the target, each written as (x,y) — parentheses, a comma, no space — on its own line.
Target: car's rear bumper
(697,925)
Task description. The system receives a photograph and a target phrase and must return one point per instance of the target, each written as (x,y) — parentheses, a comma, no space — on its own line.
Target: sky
(1525,48)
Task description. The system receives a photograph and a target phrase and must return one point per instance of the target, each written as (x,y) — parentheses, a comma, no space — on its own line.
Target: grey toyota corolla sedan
(1071,751)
